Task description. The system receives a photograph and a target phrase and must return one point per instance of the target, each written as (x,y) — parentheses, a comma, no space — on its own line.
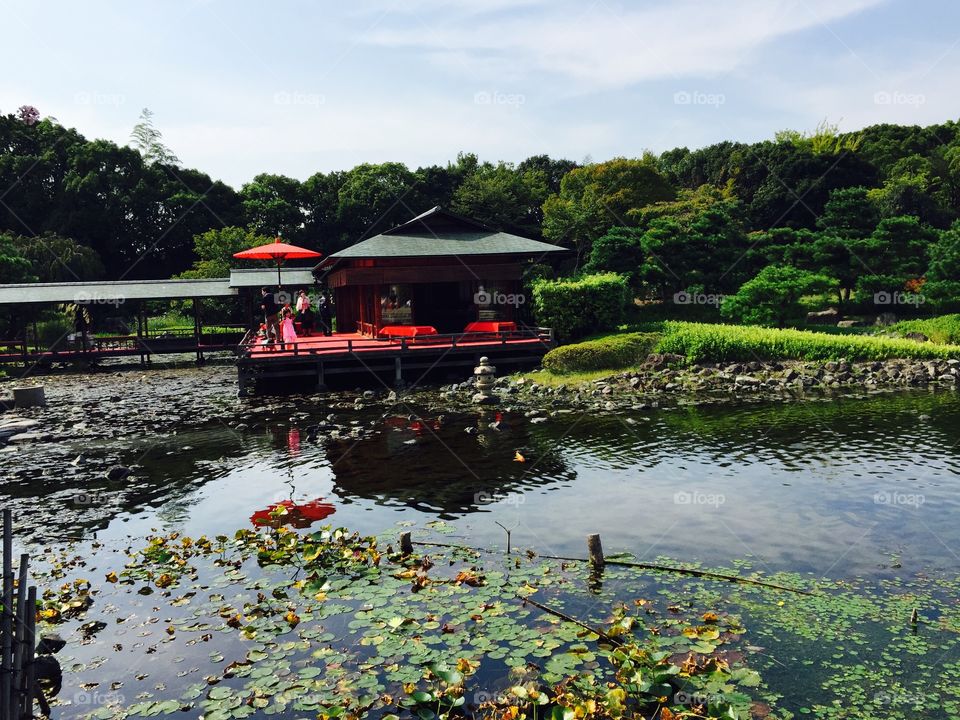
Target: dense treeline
(867,212)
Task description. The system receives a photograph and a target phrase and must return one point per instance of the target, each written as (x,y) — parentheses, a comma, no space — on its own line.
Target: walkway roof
(120,291)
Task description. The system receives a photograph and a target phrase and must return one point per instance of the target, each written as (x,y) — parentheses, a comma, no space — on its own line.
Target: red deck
(310,362)
(340,344)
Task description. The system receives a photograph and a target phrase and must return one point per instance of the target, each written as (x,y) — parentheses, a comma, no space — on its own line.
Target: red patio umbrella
(278,252)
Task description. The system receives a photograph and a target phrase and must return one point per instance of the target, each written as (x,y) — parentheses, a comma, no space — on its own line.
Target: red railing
(346,345)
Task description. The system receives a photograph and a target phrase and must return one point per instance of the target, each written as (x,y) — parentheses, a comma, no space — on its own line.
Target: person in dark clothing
(307,319)
(271,312)
(326,314)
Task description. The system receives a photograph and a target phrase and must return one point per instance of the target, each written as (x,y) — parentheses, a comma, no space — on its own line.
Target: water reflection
(848,486)
(450,466)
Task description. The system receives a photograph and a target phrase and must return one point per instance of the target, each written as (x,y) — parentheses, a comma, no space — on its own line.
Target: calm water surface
(842,488)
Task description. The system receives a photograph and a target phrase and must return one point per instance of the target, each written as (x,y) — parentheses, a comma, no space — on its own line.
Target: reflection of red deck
(342,353)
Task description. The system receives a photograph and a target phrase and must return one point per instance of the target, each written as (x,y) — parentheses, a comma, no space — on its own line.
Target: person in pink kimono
(286,327)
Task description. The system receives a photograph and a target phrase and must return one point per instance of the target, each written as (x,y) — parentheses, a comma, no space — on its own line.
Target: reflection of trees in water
(87,501)
(795,431)
(438,467)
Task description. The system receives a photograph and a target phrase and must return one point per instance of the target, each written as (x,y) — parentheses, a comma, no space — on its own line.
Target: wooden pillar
(197,330)
(29,668)
(596,551)
(19,646)
(6,622)
(397,371)
(406,544)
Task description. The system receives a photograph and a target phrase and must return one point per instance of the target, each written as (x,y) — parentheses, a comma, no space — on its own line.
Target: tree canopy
(873,210)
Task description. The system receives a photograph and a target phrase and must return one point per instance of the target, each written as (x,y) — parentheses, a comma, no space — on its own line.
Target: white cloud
(609,46)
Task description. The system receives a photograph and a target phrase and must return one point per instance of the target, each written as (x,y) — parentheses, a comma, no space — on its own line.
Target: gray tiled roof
(441,233)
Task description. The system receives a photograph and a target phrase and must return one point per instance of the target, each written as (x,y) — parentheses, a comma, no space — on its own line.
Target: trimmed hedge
(944,329)
(722,343)
(609,353)
(581,306)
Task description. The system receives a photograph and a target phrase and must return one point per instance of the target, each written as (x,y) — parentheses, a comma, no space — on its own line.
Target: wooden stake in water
(406,544)
(17,683)
(596,551)
(6,621)
(29,669)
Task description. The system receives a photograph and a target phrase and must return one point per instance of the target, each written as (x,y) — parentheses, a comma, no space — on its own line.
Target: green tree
(273,205)
(59,259)
(215,248)
(553,170)
(849,213)
(149,141)
(894,254)
(597,197)
(14,267)
(702,253)
(503,197)
(374,198)
(777,295)
(943,274)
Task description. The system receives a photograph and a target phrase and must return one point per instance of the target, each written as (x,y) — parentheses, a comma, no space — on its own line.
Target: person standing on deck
(271,312)
(289,332)
(303,301)
(326,314)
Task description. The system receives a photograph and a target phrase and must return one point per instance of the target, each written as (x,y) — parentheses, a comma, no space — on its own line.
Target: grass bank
(944,330)
(708,342)
(723,343)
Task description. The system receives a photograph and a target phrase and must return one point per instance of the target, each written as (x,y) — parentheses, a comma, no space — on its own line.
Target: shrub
(53,331)
(614,352)
(721,343)
(576,307)
(775,296)
(944,329)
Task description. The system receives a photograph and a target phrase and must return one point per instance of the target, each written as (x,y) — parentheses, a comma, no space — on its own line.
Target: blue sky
(294,87)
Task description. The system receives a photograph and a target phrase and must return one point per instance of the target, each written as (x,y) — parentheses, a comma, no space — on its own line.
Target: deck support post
(321,381)
(197,331)
(397,371)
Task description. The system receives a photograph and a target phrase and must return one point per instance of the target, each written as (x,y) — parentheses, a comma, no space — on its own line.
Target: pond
(858,495)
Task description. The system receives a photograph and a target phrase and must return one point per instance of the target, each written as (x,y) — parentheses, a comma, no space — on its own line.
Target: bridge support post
(397,372)
(321,381)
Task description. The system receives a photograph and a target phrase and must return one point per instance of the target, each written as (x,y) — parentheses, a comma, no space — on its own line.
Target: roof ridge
(438,211)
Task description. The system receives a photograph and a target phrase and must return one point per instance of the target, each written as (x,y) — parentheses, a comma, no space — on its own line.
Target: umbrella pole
(279,286)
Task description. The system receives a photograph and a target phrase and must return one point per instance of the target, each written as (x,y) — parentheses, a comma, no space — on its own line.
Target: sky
(295,87)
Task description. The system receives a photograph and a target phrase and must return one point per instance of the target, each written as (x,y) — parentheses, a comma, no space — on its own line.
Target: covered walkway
(144,342)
